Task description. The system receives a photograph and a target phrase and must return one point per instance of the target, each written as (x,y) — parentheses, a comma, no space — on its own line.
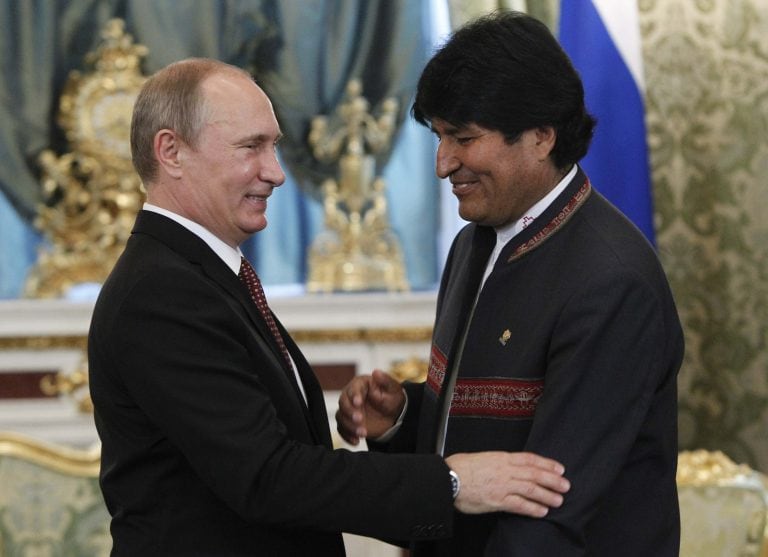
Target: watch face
(455,483)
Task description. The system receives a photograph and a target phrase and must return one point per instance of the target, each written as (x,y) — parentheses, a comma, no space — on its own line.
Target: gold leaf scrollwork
(74,384)
(91,195)
(357,251)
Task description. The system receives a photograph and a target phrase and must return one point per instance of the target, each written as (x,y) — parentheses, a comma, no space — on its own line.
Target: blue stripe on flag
(617,162)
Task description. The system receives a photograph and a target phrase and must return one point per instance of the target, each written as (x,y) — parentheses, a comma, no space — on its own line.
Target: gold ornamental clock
(96,107)
(104,106)
(92,193)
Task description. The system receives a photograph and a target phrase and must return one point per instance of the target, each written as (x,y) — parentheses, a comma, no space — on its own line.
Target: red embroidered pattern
(551,227)
(497,397)
(437,365)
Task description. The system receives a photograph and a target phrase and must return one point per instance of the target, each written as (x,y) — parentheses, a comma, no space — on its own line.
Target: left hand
(368,406)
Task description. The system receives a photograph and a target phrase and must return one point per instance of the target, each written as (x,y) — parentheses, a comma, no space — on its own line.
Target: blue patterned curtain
(303,52)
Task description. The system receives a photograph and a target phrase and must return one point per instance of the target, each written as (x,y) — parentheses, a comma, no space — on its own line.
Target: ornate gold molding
(315,336)
(77,462)
(76,342)
(384,336)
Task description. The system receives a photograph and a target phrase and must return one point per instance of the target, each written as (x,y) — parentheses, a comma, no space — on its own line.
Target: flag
(602,38)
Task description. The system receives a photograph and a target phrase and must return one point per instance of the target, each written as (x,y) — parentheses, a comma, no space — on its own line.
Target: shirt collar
(505,233)
(229,255)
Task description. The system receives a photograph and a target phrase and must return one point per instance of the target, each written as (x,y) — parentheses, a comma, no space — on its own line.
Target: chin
(470,216)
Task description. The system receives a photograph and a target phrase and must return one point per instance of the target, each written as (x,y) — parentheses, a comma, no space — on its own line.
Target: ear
(167,146)
(545,141)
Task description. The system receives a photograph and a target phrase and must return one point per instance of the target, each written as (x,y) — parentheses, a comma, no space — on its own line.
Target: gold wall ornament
(91,194)
(702,467)
(357,250)
(413,369)
(74,385)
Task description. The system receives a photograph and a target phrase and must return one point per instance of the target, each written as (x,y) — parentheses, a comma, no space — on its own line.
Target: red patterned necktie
(251,280)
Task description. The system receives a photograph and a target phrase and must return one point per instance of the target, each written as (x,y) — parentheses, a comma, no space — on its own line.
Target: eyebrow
(448,130)
(262,138)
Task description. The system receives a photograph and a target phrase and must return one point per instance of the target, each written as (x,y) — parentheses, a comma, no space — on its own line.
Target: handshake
(490,481)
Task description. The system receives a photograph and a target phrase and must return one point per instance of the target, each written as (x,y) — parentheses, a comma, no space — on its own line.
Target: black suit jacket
(572,352)
(207,446)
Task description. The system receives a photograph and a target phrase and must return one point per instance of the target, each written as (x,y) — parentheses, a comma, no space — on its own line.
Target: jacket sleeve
(186,363)
(611,354)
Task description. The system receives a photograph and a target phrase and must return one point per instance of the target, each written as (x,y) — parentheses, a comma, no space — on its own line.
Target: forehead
(442,127)
(234,101)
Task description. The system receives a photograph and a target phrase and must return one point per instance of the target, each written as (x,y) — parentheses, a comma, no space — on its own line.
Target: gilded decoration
(91,194)
(357,251)
(723,506)
(702,467)
(314,336)
(74,385)
(64,460)
(413,369)
(50,503)
(706,65)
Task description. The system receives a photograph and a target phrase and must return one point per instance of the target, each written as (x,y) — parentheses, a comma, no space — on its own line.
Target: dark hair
(506,72)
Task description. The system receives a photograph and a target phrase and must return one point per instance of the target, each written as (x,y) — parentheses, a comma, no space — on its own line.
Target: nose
(445,162)
(271,171)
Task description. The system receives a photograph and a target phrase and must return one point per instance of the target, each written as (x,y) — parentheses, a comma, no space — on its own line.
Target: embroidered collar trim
(555,224)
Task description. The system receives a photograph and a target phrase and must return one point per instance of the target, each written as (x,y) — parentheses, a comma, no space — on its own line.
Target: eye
(464,140)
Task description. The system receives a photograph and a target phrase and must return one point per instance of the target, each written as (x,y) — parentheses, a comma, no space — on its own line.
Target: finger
(530,499)
(350,426)
(534,460)
(346,404)
(386,392)
(385,382)
(537,494)
(347,435)
(520,505)
(350,418)
(350,431)
(381,378)
(545,477)
(357,390)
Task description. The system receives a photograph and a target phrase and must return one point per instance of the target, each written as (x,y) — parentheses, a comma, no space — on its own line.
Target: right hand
(368,406)
(520,483)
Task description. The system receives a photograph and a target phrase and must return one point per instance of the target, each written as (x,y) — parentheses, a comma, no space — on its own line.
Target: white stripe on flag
(602,37)
(621,19)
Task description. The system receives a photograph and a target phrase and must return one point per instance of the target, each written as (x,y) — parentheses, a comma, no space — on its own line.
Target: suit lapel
(197,252)
(235,287)
(315,406)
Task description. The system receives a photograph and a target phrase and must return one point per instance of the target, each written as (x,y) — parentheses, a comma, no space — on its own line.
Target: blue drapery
(43,42)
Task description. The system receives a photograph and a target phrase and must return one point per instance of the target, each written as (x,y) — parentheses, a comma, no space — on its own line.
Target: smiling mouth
(461,187)
(256,197)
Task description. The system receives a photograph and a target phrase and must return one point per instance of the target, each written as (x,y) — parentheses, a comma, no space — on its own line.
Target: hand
(368,406)
(521,483)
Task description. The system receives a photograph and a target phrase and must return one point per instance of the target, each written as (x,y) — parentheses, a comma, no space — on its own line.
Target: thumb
(384,382)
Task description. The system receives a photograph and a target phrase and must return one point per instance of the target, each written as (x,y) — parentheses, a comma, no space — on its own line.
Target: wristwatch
(455,483)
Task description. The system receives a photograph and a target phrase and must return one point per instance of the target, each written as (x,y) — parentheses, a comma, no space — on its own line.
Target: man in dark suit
(556,331)
(214,432)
